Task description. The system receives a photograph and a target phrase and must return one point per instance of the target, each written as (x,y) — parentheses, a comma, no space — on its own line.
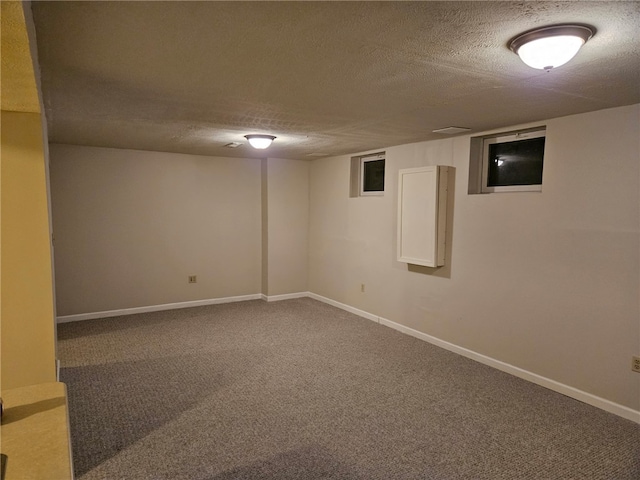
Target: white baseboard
(348,308)
(567,390)
(155,308)
(588,398)
(285,296)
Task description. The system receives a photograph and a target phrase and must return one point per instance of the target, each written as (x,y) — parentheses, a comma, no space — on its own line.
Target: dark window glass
(516,163)
(373,176)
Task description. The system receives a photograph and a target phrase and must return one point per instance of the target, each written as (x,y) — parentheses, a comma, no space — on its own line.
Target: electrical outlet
(192,279)
(635,364)
(362,287)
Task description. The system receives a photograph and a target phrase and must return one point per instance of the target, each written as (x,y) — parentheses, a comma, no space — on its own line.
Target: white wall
(287,220)
(547,282)
(131,226)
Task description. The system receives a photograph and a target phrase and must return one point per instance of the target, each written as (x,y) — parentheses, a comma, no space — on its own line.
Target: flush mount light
(260,141)
(549,47)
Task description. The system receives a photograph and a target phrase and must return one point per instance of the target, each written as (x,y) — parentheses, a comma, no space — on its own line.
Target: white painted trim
(588,398)
(572,392)
(156,308)
(285,296)
(343,306)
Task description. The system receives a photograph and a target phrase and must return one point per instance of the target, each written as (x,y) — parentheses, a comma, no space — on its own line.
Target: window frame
(371,158)
(505,138)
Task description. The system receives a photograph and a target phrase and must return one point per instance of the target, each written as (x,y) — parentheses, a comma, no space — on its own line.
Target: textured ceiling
(324,77)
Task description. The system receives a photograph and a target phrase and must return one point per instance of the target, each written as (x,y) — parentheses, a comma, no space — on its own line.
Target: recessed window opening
(507,162)
(372,175)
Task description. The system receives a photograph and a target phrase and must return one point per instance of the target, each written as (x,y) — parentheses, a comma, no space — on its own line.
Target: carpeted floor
(301,390)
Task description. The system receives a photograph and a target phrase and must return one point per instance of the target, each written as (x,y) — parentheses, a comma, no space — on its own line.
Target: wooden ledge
(35,433)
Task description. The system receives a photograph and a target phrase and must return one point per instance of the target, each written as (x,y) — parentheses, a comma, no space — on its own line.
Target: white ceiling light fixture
(260,141)
(550,47)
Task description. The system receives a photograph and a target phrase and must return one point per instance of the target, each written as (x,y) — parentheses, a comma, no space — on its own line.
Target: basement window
(507,162)
(367,175)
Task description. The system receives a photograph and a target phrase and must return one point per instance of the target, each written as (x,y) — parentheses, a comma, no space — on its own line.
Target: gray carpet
(301,390)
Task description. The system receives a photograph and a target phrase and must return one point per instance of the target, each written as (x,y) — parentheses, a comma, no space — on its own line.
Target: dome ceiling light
(550,47)
(260,141)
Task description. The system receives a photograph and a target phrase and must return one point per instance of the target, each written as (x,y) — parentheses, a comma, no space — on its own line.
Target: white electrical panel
(422,215)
